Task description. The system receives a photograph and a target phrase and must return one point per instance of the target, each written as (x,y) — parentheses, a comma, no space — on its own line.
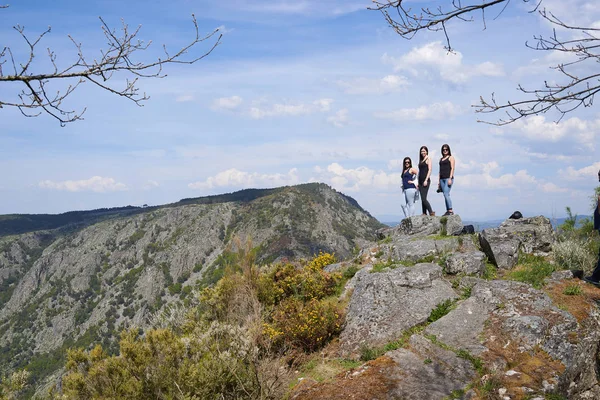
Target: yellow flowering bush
(305,325)
(306,282)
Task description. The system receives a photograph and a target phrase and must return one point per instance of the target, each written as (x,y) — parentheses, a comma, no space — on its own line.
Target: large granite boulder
(384,304)
(425,225)
(469,263)
(514,327)
(409,249)
(531,235)
(424,370)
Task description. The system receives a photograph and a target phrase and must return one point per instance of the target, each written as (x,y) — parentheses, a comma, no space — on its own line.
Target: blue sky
(298,91)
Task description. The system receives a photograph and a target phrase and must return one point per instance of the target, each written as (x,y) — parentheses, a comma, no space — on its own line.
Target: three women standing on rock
(410,188)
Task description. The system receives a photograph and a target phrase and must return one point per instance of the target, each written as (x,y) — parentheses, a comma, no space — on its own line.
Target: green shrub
(440,310)
(572,290)
(305,325)
(532,270)
(575,254)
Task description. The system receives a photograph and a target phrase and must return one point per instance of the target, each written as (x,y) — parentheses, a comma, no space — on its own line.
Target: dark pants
(596,273)
(423,190)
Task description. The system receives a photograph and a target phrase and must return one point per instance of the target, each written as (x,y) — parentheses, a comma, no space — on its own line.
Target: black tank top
(423,170)
(445,168)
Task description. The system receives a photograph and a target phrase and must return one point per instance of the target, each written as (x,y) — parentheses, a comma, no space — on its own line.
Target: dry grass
(370,381)
(579,306)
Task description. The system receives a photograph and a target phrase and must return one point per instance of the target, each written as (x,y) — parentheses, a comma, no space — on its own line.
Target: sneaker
(590,279)
(432,214)
(448,213)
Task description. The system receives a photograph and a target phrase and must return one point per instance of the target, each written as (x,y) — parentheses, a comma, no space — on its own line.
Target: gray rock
(463,329)
(471,263)
(437,378)
(385,304)
(454,225)
(531,235)
(501,247)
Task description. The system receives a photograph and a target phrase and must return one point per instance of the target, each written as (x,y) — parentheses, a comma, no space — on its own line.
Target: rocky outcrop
(530,235)
(470,263)
(528,342)
(424,225)
(385,304)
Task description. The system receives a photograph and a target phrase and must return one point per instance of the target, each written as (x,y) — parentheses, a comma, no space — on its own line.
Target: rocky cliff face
(61,290)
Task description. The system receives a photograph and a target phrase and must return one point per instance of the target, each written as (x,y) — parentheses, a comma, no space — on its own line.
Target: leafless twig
(573,92)
(117,58)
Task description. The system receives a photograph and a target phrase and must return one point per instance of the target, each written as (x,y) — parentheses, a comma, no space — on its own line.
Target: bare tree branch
(568,95)
(118,57)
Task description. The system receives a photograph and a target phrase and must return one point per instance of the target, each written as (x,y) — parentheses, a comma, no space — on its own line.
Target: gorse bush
(229,346)
(304,325)
(12,385)
(219,361)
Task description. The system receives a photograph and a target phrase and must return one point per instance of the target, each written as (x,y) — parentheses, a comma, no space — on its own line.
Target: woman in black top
(447,176)
(424,179)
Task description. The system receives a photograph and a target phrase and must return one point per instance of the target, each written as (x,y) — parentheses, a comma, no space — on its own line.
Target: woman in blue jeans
(447,176)
(410,187)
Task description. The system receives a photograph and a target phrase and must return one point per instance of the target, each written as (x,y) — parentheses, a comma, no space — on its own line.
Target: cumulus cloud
(434,58)
(587,173)
(227,103)
(387,84)
(260,111)
(96,184)
(573,130)
(435,111)
(235,178)
(355,179)
(339,119)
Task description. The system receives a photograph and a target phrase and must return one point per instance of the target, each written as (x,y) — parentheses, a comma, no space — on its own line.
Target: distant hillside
(16,224)
(73,287)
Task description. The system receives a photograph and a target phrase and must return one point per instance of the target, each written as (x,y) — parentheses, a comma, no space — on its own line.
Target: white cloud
(227,103)
(535,128)
(387,84)
(436,111)
(485,180)
(339,119)
(96,184)
(434,58)
(235,178)
(587,172)
(355,179)
(277,110)
(441,136)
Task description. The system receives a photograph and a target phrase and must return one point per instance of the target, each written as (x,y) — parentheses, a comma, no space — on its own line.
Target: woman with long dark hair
(447,176)
(424,179)
(409,187)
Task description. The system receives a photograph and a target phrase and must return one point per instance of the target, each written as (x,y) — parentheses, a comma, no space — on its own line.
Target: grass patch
(573,290)
(382,266)
(440,310)
(385,240)
(532,269)
(490,272)
(368,353)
